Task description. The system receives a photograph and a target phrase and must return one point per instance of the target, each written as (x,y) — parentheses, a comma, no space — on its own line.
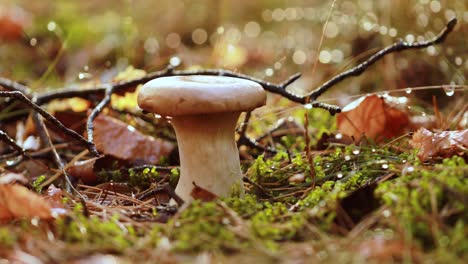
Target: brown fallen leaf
(84,170)
(373,117)
(116,138)
(17,201)
(202,194)
(443,144)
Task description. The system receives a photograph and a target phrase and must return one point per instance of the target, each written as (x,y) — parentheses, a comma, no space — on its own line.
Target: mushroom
(204,111)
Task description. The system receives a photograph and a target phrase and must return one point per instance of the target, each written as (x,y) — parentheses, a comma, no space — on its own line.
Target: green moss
(203,226)
(7,238)
(422,199)
(37,183)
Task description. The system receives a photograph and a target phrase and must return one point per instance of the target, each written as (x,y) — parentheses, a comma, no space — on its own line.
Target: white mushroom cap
(199,94)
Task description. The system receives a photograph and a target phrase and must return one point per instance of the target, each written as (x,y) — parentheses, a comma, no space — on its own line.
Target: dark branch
(396,47)
(21,97)
(5,138)
(98,109)
(10,85)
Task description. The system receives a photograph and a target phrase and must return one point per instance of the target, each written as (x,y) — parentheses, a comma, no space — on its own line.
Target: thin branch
(10,85)
(396,47)
(71,133)
(45,138)
(98,109)
(5,138)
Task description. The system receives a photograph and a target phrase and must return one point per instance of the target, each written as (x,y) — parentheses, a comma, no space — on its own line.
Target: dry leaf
(202,194)
(84,170)
(373,117)
(17,201)
(442,144)
(113,137)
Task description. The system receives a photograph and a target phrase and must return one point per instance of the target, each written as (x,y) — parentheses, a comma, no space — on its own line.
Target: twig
(244,140)
(98,109)
(5,138)
(395,47)
(13,86)
(45,138)
(71,133)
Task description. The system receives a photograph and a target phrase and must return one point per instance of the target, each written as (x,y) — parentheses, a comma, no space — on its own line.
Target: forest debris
(374,117)
(122,141)
(442,144)
(17,201)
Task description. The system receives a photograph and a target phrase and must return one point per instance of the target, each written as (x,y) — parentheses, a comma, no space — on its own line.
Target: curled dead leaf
(442,144)
(373,117)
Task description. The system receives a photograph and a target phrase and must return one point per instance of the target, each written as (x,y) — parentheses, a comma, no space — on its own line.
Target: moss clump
(431,205)
(94,232)
(204,226)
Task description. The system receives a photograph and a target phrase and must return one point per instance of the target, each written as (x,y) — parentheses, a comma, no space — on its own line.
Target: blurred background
(53,43)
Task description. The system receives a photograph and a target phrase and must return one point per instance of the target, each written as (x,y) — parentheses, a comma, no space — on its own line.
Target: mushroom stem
(208,154)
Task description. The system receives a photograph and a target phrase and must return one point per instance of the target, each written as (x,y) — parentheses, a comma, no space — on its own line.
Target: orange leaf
(17,201)
(114,137)
(373,117)
(442,144)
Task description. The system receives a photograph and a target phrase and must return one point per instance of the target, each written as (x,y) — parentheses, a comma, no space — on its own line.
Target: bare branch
(5,138)
(396,47)
(98,109)
(71,133)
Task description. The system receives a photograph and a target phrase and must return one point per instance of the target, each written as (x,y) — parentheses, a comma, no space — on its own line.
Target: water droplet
(308,106)
(423,114)
(269,72)
(347,157)
(157,116)
(386,213)
(410,169)
(408,90)
(175,61)
(356,151)
(339,175)
(83,230)
(33,42)
(339,136)
(385,166)
(449,89)
(35,221)
(84,75)
(373,150)
(51,26)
